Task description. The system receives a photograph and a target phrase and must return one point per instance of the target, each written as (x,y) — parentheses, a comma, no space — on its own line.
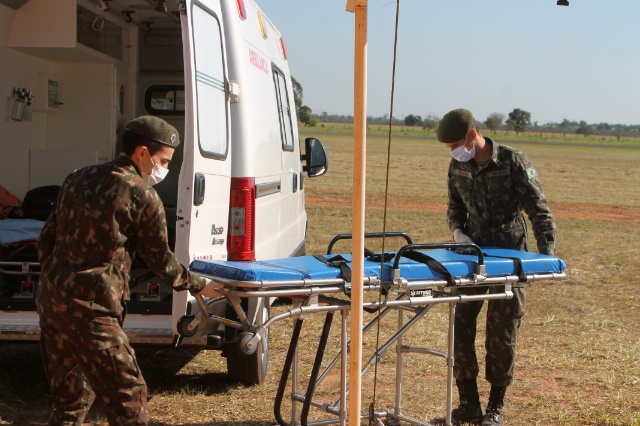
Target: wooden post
(358,228)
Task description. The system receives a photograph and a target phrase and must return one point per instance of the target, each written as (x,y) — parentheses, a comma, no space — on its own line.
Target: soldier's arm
(456,209)
(153,247)
(531,198)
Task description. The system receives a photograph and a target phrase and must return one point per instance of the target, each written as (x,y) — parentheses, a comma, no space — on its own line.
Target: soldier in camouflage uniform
(104,215)
(490,185)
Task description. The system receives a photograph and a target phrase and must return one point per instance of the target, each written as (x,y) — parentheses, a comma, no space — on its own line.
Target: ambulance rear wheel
(251,369)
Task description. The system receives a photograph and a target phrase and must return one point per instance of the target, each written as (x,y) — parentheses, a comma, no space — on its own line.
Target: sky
(580,63)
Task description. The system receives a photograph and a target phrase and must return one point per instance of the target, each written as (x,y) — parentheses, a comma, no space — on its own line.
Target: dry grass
(579,348)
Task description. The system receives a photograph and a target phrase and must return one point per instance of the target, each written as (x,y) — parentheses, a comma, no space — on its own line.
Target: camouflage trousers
(503,320)
(78,374)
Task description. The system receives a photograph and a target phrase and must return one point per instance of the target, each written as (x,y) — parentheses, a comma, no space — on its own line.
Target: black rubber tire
(248,370)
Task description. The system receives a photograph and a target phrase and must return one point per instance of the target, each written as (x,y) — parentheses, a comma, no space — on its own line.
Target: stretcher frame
(12,265)
(315,296)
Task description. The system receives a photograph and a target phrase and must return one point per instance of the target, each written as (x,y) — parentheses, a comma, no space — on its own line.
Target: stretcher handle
(454,246)
(339,237)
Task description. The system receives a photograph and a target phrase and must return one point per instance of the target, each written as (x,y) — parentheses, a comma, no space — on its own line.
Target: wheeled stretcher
(411,280)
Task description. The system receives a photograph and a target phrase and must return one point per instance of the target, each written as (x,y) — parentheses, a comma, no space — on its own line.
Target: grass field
(579,346)
(375,130)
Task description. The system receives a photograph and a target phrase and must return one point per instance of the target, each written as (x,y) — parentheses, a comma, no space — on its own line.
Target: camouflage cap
(155,129)
(455,125)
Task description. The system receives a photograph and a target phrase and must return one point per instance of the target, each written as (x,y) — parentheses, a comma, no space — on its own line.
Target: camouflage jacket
(486,201)
(104,215)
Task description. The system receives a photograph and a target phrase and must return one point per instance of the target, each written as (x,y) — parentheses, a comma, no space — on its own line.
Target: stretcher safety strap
(337,261)
(382,257)
(378,257)
(522,276)
(432,263)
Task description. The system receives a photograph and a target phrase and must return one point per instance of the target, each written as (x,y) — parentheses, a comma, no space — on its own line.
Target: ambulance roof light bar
(241,9)
(283,50)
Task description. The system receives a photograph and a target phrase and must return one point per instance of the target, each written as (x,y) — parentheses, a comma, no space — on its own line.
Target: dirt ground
(578,352)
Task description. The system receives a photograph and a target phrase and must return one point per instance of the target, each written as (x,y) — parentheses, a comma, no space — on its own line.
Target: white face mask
(158,173)
(462,154)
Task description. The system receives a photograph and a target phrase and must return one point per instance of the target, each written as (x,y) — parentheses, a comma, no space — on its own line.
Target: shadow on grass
(24,392)
(161,366)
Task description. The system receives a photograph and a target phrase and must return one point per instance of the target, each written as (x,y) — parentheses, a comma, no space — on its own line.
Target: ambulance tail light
(242,219)
(241,9)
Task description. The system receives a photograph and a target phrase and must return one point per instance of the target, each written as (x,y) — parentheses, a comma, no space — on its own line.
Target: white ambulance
(215,69)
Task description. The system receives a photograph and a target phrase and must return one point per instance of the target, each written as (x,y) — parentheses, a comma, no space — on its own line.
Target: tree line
(518,120)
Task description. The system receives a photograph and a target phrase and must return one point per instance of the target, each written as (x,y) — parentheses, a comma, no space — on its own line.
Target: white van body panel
(275,166)
(201,230)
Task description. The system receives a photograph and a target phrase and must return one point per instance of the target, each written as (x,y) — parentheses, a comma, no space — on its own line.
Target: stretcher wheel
(183,326)
(243,342)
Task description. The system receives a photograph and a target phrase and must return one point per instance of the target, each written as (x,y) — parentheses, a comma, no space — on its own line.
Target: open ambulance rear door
(205,177)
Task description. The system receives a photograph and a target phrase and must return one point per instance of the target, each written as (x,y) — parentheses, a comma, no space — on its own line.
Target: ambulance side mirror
(315,158)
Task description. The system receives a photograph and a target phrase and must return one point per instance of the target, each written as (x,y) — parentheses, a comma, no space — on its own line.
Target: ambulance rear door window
(284,109)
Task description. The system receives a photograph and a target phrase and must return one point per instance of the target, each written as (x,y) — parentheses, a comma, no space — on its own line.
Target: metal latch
(234,91)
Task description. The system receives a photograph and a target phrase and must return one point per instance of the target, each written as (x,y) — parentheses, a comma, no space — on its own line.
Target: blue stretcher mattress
(497,262)
(18,230)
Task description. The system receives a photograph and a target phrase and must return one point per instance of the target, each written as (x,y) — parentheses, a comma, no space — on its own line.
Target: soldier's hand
(549,251)
(461,237)
(211,289)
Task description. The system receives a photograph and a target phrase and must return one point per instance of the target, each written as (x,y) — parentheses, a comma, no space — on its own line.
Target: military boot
(493,415)
(468,410)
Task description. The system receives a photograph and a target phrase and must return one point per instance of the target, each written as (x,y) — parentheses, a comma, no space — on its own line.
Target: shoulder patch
(531,172)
